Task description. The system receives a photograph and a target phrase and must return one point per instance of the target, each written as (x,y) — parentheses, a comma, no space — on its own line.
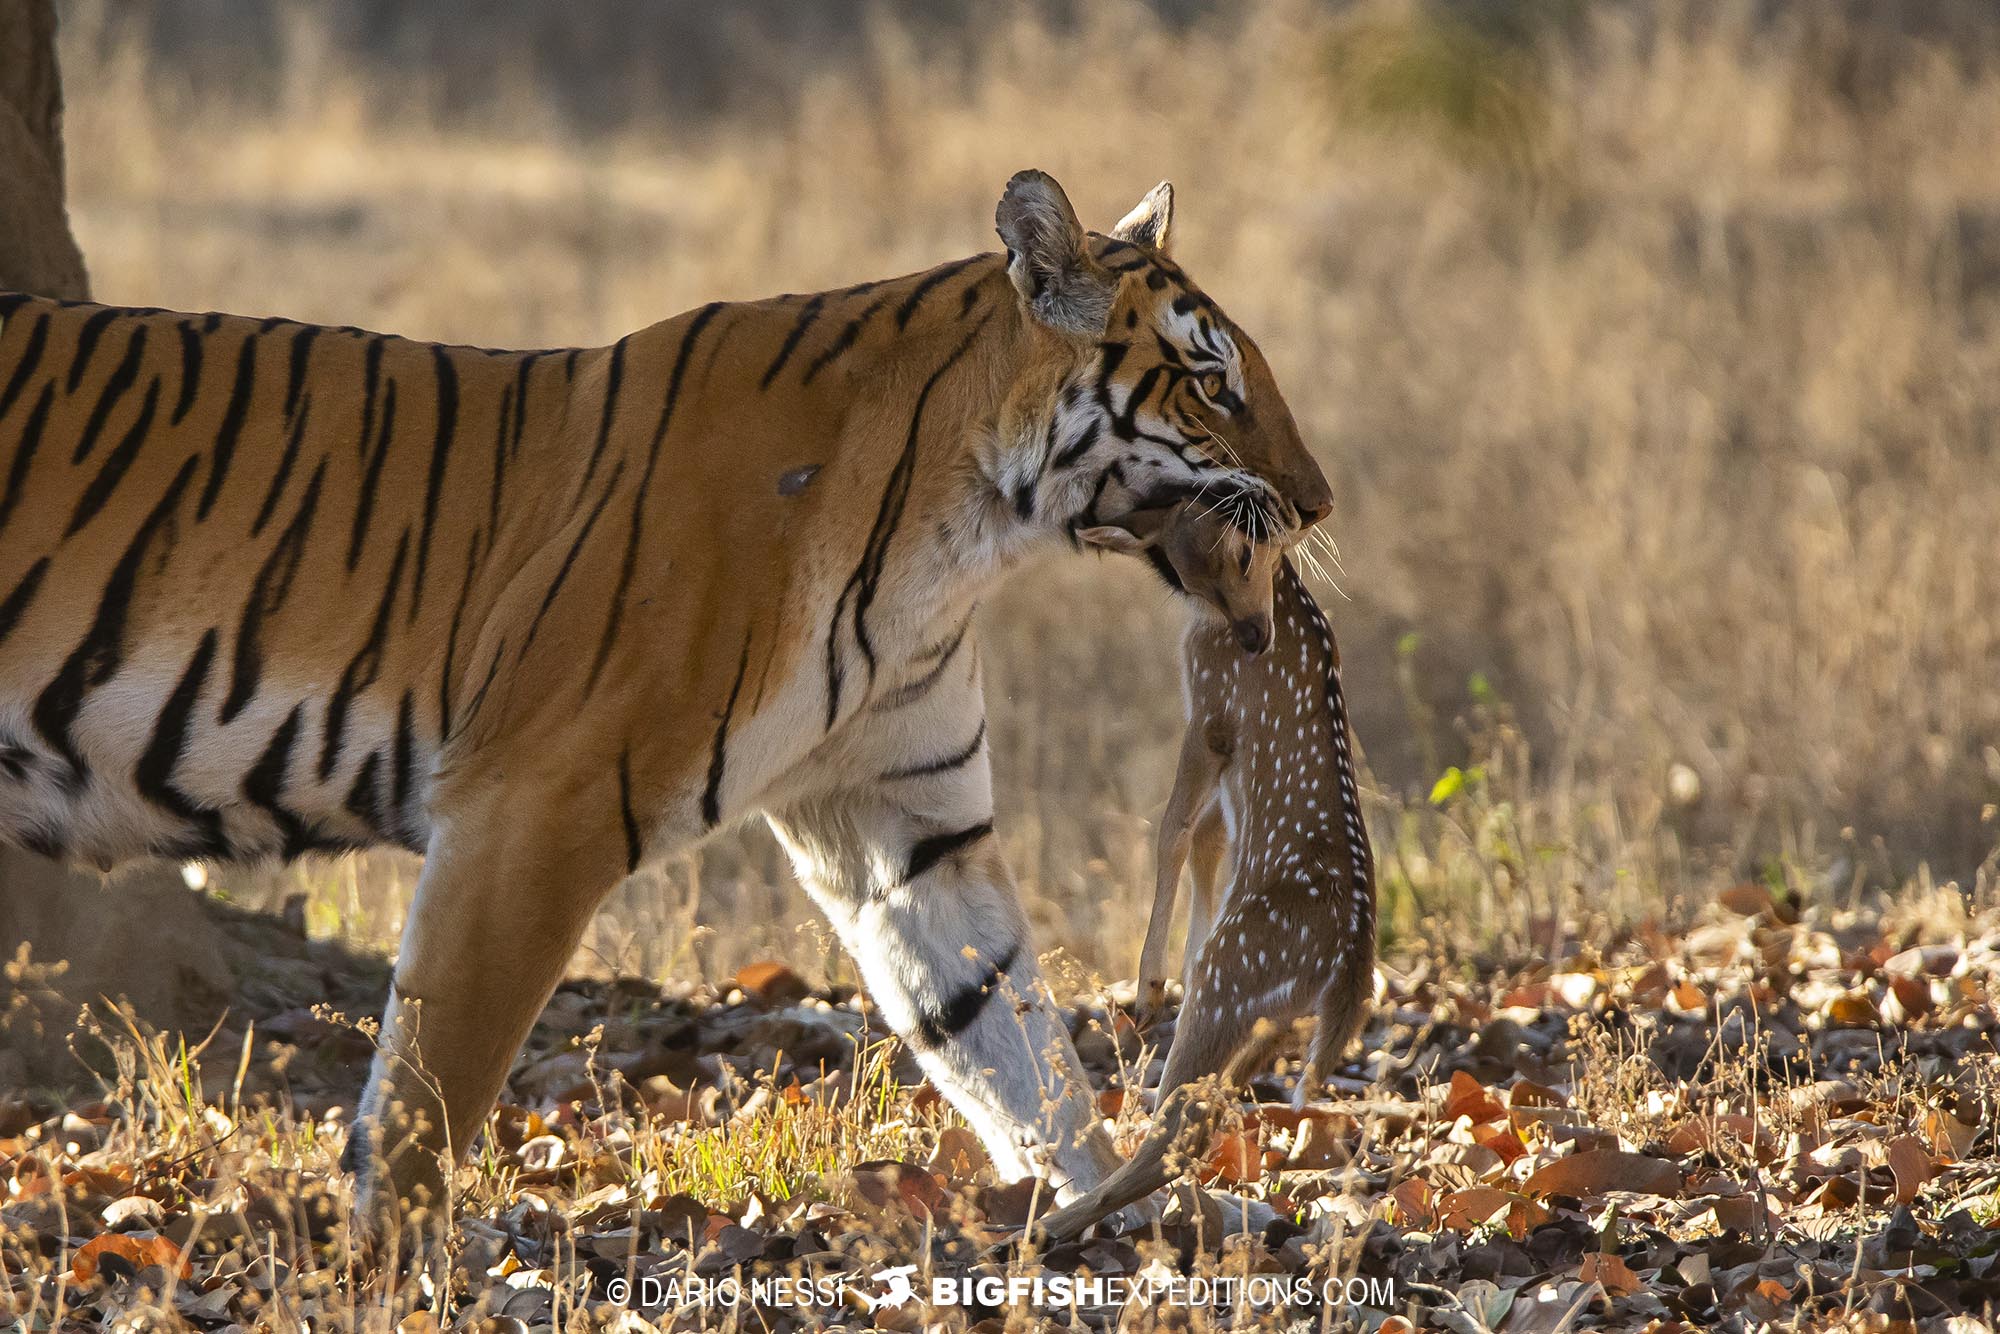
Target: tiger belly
(144,767)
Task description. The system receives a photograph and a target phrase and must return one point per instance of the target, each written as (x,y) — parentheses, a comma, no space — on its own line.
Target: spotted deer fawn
(1266,780)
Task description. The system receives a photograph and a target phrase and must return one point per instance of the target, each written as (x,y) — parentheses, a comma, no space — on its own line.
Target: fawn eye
(1243,560)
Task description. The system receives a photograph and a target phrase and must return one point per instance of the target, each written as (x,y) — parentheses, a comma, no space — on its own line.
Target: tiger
(271,588)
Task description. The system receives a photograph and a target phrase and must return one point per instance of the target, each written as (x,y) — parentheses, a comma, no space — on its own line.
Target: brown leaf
(1468,1097)
(1413,1200)
(1612,1273)
(772,983)
(1234,1158)
(1951,1139)
(1469,1208)
(1852,1010)
(1595,1171)
(959,1154)
(1746,900)
(1912,1165)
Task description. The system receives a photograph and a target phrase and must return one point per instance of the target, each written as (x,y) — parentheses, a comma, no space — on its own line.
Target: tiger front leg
(929,911)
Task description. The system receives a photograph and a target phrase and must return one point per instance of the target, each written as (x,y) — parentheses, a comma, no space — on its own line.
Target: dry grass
(1654,358)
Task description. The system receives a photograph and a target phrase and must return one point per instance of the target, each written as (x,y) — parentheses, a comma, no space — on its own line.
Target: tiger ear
(1048,259)
(1150,220)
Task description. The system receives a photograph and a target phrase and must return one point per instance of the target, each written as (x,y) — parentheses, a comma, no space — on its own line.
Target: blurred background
(1652,348)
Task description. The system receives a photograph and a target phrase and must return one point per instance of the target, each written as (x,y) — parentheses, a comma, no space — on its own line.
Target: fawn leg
(1194,790)
(1208,847)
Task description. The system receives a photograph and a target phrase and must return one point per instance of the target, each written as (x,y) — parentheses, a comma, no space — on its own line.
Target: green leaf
(1447,787)
(1406,647)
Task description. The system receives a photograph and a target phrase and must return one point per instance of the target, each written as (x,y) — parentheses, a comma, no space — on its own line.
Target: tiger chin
(270,588)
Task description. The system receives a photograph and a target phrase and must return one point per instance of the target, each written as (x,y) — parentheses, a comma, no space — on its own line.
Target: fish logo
(898,1282)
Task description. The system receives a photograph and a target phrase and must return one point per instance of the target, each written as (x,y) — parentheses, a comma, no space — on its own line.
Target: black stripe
(13,301)
(371,384)
(569,560)
(447,426)
(24,452)
(521,401)
(862,583)
(121,382)
(371,479)
(928,852)
(479,695)
(625,815)
(944,763)
(451,638)
(1080,446)
(295,381)
(190,372)
(31,357)
(807,315)
(362,797)
(923,288)
(264,786)
(267,594)
(363,667)
(935,1028)
(912,691)
(154,776)
(631,561)
(115,463)
(711,796)
(97,658)
(232,424)
(402,766)
(286,460)
(18,600)
(86,347)
(614,381)
(499,460)
(845,340)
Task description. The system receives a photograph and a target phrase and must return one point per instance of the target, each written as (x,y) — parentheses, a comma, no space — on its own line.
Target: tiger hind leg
(500,907)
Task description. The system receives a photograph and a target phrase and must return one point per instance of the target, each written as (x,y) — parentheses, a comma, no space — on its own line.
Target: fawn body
(1265,782)
(1266,785)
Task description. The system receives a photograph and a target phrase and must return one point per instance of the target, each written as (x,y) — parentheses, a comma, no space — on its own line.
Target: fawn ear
(1131,534)
(1048,259)
(1112,538)
(1150,219)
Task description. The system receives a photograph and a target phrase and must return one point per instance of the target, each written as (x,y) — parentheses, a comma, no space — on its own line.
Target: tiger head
(1149,395)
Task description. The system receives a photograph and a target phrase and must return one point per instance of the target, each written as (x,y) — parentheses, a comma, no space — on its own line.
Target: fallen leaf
(1469,1098)
(1615,1276)
(772,983)
(1413,1200)
(1595,1171)
(1912,1165)
(1475,1205)
(1235,1157)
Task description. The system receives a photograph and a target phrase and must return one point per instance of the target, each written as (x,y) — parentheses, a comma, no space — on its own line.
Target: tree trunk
(37,252)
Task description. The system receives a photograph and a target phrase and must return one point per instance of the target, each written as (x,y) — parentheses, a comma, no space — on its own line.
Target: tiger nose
(1312,511)
(1254,633)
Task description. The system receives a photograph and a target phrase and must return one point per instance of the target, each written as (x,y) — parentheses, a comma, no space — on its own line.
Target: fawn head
(1205,553)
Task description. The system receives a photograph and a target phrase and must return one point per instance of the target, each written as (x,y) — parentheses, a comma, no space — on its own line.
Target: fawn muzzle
(1253,633)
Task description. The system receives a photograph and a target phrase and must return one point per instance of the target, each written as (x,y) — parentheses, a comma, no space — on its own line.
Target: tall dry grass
(1653,351)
